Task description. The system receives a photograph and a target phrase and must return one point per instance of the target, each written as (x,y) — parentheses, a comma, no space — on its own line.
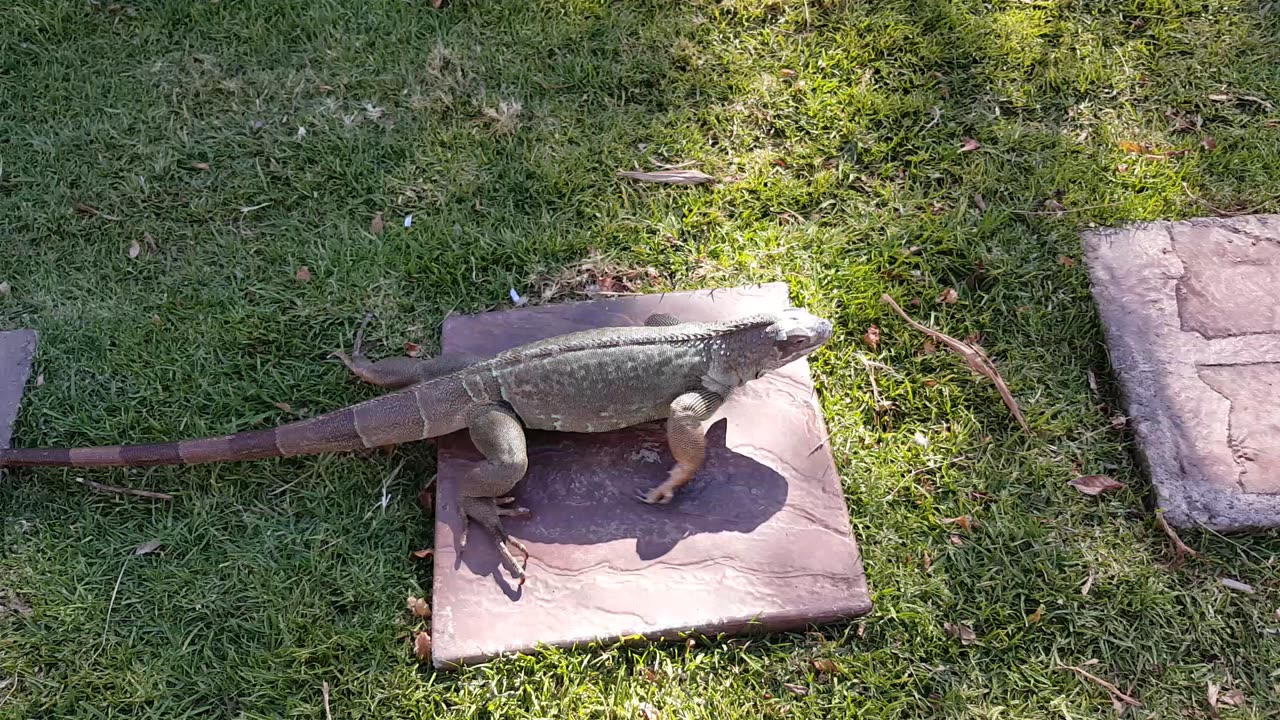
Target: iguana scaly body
(588,381)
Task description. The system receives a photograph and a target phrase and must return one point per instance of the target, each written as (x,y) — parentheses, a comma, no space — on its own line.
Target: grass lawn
(237,141)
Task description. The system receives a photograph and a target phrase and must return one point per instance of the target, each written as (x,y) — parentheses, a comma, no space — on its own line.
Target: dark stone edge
(1184,503)
(26,342)
(797,619)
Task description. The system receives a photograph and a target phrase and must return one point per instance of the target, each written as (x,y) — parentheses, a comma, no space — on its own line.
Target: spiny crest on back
(633,335)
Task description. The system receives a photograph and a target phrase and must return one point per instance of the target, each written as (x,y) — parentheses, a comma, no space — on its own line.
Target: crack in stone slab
(1253,433)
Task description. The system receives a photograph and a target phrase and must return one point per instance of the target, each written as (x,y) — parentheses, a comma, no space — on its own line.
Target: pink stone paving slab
(760,541)
(1192,319)
(17,348)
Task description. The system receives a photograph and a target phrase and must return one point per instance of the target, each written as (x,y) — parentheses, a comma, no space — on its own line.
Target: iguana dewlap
(588,381)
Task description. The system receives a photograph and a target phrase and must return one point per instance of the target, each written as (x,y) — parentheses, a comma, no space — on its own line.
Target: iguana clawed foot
(356,357)
(520,512)
(679,476)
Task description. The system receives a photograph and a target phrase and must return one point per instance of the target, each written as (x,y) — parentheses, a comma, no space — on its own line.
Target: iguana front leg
(498,434)
(687,441)
(398,372)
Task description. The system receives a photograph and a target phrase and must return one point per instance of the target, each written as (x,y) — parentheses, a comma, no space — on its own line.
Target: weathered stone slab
(17,348)
(1192,320)
(759,541)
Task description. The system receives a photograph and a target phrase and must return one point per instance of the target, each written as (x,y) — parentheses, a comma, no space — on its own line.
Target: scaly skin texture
(589,381)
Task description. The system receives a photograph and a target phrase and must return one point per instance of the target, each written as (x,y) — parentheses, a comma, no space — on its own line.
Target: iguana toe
(660,495)
(517,570)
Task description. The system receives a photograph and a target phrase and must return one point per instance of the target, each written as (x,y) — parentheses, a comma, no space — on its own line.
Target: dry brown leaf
(284,406)
(787,73)
(955,539)
(969,145)
(949,296)
(1134,148)
(669,177)
(1054,206)
(135,248)
(927,562)
(649,674)
(14,603)
(426,498)
(422,645)
(1234,698)
(199,166)
(413,350)
(1095,484)
(964,521)
(1065,261)
(303,274)
(975,358)
(419,607)
(423,553)
(690,643)
(1036,616)
(825,665)
(147,547)
(963,633)
(872,337)
(1088,584)
(980,203)
(930,347)
(40,380)
(1208,143)
(376,225)
(648,712)
(796,689)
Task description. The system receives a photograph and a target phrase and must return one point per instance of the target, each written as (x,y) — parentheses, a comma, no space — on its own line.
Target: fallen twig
(1219,211)
(875,389)
(113,490)
(669,177)
(1115,691)
(1064,210)
(974,357)
(1180,548)
(324,692)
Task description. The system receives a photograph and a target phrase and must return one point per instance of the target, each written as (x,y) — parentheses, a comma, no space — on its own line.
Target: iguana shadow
(582,490)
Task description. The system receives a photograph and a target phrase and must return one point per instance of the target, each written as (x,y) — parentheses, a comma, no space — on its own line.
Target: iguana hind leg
(687,441)
(398,372)
(498,434)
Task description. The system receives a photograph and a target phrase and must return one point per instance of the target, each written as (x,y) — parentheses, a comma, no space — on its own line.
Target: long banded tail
(393,418)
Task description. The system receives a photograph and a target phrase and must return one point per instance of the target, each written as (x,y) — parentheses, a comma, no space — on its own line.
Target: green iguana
(587,381)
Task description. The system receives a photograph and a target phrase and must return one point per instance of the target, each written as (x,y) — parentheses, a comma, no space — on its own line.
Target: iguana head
(796,333)
(771,341)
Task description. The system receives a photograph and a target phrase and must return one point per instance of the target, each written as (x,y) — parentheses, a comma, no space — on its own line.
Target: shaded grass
(838,125)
